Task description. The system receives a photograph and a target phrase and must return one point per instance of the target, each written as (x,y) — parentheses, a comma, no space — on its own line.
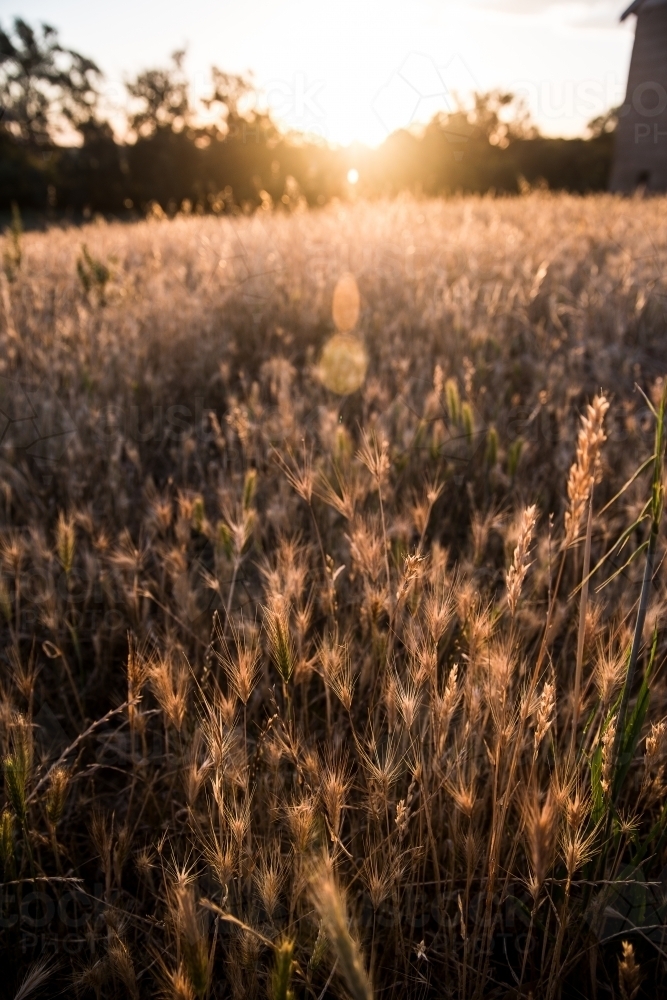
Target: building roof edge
(637,4)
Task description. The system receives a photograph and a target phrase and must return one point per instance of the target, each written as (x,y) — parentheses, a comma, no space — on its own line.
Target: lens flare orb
(346,303)
(343,364)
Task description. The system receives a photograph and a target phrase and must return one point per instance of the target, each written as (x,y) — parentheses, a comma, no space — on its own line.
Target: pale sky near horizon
(357,69)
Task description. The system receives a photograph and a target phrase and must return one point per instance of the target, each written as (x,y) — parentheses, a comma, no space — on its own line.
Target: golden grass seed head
(161,513)
(443,706)
(144,861)
(237,821)
(18,766)
(194,947)
(424,664)
(329,901)
(239,421)
(420,511)
(281,975)
(609,670)
(408,698)
(248,949)
(656,745)
(195,770)
(577,849)
(38,974)
(301,817)
(438,380)
(221,859)
(170,683)
(439,611)
(13,550)
(57,794)
(138,669)
(176,984)
(577,810)
(92,976)
(341,681)
(122,966)
(541,826)
(367,548)
(453,400)
(23,675)
(300,476)
(592,626)
(376,603)
(225,540)
(101,833)
(302,619)
(5,601)
(374,454)
(344,499)
(545,714)
(516,574)
(585,467)
(629,972)
(479,628)
(242,665)
(249,489)
(402,818)
(472,850)
(334,785)
(281,647)
(7,843)
(501,663)
(319,949)
(382,765)
(217,726)
(413,569)
(378,882)
(390,698)
(66,542)
(198,515)
(464,795)
(269,878)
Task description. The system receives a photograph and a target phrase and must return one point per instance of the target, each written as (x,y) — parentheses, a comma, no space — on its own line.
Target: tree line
(59,154)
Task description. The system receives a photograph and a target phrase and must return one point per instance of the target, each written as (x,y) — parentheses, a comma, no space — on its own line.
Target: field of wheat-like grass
(332,594)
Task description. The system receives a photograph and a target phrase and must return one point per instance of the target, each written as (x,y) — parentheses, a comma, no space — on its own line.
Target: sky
(355,70)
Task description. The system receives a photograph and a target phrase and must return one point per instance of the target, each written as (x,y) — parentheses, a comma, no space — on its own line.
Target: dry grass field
(332,662)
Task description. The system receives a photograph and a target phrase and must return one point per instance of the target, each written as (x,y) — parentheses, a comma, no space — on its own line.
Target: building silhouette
(640,156)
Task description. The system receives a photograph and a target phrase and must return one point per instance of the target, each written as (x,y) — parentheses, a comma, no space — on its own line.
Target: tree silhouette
(236,158)
(163,94)
(43,85)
